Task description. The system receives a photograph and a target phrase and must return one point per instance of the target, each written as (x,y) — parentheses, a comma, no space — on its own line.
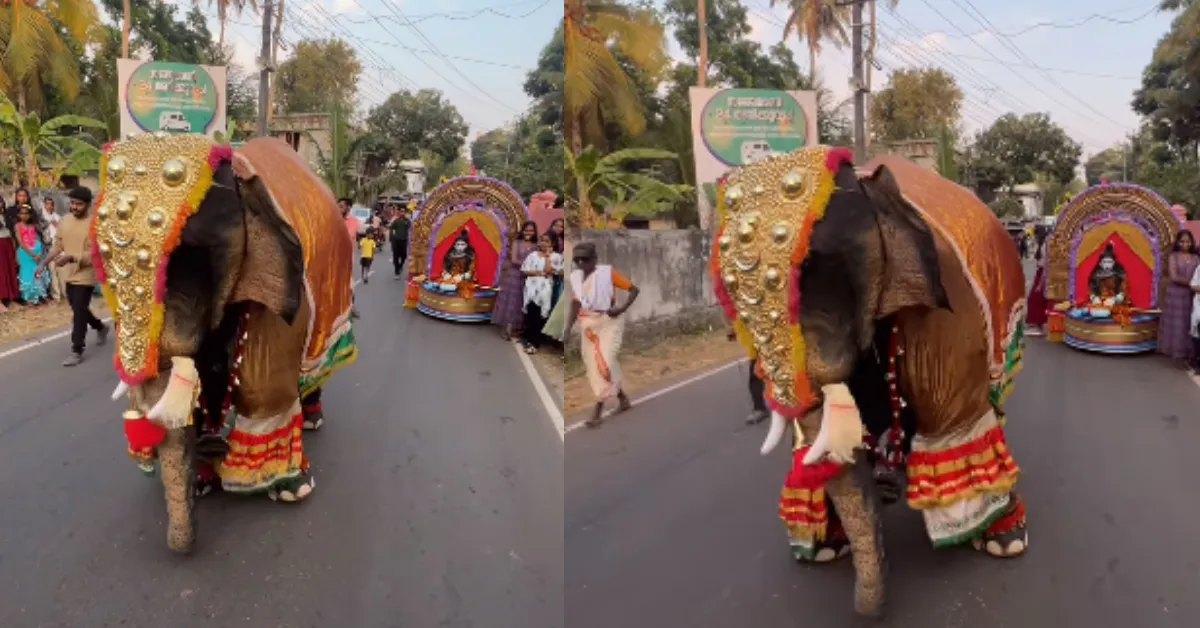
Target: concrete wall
(670,268)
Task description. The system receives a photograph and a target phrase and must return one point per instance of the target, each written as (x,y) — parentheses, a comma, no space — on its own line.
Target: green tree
(544,83)
(491,150)
(1109,164)
(34,54)
(1015,149)
(597,34)
(815,21)
(337,167)
(408,121)
(319,75)
(44,150)
(165,33)
(1007,207)
(916,104)
(947,153)
(608,182)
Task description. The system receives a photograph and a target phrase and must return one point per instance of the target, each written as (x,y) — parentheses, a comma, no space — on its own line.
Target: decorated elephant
(886,310)
(229,278)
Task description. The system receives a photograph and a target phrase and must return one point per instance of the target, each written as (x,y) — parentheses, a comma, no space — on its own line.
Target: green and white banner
(734,127)
(170,97)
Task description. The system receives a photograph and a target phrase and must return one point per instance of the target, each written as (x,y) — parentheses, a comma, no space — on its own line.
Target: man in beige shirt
(72,253)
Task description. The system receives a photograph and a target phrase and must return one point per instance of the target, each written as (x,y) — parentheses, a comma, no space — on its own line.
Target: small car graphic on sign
(174,121)
(755,150)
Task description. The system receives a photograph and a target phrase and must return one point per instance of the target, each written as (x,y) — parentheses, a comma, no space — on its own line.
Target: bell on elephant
(884,307)
(219,341)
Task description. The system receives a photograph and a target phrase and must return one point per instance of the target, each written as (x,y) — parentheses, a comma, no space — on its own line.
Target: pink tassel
(219,155)
(836,157)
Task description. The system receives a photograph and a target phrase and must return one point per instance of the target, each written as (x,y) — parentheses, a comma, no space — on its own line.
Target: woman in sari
(10,288)
(34,289)
(593,303)
(1037,311)
(1174,339)
(508,312)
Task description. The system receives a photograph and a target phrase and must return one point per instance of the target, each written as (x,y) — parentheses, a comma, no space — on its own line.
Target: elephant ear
(910,260)
(273,271)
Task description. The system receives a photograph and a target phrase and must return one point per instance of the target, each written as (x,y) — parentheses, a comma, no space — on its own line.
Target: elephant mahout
(885,307)
(228,275)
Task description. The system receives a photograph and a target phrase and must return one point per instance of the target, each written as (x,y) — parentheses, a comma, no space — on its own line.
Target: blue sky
(1094,110)
(467,32)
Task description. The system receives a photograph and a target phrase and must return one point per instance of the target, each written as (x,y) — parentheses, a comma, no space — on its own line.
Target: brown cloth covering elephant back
(308,206)
(983,250)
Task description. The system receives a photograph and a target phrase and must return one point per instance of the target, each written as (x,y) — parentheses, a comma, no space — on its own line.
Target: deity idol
(458,267)
(1108,290)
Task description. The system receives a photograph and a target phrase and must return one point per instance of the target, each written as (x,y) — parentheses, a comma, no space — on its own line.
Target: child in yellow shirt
(367,247)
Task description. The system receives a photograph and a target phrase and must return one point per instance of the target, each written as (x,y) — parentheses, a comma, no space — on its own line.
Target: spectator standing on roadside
(71,253)
(398,236)
(50,221)
(10,289)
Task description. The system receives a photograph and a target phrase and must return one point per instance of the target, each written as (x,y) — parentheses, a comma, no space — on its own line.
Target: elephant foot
(835,546)
(314,418)
(293,490)
(207,480)
(1008,537)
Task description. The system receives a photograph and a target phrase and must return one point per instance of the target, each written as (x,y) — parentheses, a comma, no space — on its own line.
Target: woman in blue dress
(31,248)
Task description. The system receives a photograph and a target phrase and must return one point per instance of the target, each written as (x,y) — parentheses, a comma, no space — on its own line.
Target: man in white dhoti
(593,304)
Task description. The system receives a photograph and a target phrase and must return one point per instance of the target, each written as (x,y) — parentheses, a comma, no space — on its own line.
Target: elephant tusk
(174,408)
(121,390)
(841,427)
(774,433)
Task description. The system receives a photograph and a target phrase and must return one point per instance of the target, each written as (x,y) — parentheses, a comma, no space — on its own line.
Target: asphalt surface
(439,498)
(671,514)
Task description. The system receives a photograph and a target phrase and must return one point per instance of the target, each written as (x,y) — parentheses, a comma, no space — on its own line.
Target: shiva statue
(458,267)
(1108,290)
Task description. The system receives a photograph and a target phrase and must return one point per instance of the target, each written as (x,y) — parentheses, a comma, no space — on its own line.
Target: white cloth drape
(540,290)
(596,293)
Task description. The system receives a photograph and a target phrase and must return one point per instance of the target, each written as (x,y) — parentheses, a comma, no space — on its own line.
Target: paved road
(671,519)
(438,502)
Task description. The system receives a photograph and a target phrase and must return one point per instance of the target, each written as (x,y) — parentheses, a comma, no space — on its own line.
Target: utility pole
(857,83)
(702,66)
(264,75)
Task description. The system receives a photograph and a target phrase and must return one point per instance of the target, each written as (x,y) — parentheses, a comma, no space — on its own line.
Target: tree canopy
(1015,149)
(408,121)
(916,104)
(319,74)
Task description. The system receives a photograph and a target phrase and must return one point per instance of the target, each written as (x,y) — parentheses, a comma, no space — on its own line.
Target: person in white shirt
(50,219)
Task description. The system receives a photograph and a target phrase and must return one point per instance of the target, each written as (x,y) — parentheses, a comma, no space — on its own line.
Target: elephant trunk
(177,461)
(856,500)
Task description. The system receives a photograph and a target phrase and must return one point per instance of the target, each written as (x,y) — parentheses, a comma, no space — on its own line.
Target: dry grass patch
(674,357)
(21,322)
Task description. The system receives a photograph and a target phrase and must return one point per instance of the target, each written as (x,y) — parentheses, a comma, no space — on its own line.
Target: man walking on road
(73,250)
(352,224)
(398,235)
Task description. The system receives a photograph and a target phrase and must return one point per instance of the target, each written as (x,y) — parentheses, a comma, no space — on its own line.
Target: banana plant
(607,179)
(40,151)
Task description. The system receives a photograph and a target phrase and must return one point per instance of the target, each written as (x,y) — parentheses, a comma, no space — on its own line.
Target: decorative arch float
(1105,268)
(451,281)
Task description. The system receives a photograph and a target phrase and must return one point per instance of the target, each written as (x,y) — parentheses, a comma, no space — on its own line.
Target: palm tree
(815,21)
(223,9)
(596,89)
(34,54)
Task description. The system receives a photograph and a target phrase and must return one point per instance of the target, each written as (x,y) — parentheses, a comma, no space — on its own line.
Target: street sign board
(170,97)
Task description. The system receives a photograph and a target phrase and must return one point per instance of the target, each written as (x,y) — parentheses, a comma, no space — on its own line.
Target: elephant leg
(266,455)
(314,415)
(856,498)
(177,459)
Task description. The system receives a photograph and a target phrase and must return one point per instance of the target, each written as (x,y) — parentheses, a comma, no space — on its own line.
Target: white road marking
(669,389)
(37,342)
(556,416)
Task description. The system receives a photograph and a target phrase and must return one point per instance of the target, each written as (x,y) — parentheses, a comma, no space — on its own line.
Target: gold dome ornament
(780,233)
(773,278)
(733,195)
(156,218)
(724,242)
(139,170)
(730,280)
(143,257)
(116,169)
(174,172)
(105,250)
(793,184)
(745,232)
